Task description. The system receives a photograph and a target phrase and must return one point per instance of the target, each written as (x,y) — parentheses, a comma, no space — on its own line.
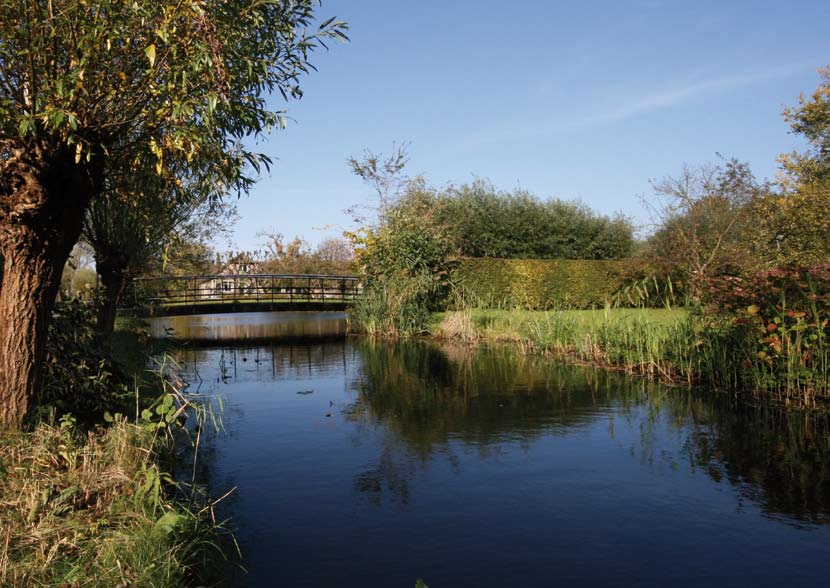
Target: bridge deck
(208,294)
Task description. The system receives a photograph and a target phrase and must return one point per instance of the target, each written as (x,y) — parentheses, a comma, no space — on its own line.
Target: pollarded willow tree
(141,212)
(84,83)
(137,218)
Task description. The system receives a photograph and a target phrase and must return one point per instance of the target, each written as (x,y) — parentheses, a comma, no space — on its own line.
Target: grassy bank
(95,509)
(517,325)
(96,504)
(640,341)
(670,345)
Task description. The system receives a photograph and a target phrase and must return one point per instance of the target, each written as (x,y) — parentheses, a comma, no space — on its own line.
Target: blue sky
(577,100)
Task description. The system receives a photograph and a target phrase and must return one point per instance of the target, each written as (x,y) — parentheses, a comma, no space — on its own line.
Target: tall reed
(636,345)
(394,307)
(768,334)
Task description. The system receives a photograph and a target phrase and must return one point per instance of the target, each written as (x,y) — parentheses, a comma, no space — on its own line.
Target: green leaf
(167,403)
(25,125)
(168,522)
(150,52)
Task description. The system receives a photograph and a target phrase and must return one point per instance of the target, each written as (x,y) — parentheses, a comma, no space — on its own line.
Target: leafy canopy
(171,80)
(795,223)
(485,222)
(811,119)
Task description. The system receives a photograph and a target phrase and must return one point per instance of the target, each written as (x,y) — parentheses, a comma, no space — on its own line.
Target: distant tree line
(479,220)
(278,255)
(483,221)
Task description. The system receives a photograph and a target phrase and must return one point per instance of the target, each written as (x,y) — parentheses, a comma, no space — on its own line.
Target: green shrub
(541,284)
(393,307)
(482,221)
(405,263)
(769,331)
(79,375)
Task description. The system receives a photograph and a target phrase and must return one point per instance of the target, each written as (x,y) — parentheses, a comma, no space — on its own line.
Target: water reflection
(251,326)
(780,460)
(367,463)
(429,395)
(245,362)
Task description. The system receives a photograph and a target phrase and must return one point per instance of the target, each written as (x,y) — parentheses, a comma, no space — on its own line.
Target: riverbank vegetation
(125,127)
(745,260)
(96,508)
(516,324)
(88,491)
(765,335)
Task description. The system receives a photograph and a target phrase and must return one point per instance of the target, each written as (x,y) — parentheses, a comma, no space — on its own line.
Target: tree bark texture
(113,281)
(43,196)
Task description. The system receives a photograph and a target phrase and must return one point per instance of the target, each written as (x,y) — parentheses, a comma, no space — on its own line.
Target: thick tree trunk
(30,285)
(43,196)
(113,282)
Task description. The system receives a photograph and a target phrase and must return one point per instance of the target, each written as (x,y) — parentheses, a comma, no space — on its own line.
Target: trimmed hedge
(540,284)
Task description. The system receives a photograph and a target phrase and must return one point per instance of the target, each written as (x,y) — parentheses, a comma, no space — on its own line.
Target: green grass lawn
(507,325)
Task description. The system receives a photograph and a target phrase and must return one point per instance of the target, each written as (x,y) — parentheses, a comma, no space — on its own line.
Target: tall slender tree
(86,82)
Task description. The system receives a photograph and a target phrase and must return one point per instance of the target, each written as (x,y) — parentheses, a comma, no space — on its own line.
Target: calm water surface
(372,464)
(252,326)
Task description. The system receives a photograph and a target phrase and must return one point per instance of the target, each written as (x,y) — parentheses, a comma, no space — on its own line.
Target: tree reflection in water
(421,401)
(430,401)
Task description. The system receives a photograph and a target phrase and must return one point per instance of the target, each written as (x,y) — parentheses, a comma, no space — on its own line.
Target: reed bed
(685,347)
(636,345)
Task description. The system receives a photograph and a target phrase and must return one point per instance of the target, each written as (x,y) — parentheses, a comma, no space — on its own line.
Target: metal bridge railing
(242,288)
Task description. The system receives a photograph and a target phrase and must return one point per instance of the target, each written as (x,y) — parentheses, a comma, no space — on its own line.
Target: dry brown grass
(459,326)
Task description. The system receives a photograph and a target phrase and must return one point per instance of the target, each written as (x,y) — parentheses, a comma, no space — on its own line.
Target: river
(373,464)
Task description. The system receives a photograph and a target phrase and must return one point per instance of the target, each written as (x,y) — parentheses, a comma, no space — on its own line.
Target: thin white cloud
(631,107)
(684,94)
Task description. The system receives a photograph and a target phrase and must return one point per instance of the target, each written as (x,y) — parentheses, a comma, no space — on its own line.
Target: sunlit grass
(672,345)
(517,324)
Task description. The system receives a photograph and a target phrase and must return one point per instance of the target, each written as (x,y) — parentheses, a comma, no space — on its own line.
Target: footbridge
(209,294)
